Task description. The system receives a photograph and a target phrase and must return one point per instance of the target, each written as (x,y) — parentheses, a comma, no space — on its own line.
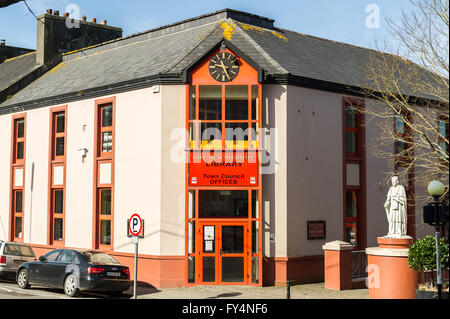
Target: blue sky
(340,20)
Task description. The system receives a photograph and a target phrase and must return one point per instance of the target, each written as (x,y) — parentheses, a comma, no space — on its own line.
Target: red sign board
(223,169)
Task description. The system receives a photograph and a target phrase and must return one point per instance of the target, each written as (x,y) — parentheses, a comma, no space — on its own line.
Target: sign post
(135,227)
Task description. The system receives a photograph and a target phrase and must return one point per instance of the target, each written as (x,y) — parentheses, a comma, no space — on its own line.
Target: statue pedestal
(389,275)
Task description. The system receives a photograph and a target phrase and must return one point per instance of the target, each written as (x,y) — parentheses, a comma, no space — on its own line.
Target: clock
(223,67)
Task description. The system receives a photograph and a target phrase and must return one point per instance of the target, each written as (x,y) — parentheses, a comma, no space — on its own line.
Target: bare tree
(410,94)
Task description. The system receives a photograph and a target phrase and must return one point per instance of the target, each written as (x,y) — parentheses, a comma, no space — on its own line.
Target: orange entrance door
(223,253)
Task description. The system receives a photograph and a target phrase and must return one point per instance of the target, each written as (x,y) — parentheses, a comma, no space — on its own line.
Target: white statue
(395,207)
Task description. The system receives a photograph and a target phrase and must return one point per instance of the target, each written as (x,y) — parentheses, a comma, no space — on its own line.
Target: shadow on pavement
(142,288)
(228,294)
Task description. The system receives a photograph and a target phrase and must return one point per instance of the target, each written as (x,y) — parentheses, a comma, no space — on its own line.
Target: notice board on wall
(316,229)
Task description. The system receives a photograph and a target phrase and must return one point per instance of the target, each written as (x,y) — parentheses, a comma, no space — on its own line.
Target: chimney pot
(104,22)
(94,20)
(2,42)
(56,13)
(49,11)
(83,18)
(66,14)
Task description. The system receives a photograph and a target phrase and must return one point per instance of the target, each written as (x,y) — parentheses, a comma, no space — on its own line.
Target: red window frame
(101,157)
(358,222)
(56,161)
(17,163)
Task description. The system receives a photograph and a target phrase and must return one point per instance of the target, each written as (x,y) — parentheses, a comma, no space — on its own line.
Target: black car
(75,271)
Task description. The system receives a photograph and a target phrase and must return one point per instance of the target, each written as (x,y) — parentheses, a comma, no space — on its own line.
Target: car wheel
(22,279)
(71,286)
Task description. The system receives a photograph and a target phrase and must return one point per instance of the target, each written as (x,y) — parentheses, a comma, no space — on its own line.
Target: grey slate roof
(168,51)
(12,70)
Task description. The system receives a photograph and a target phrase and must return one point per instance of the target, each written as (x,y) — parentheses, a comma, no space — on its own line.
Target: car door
(43,269)
(62,266)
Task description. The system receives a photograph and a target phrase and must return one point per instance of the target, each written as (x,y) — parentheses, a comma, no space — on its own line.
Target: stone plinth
(389,275)
(338,265)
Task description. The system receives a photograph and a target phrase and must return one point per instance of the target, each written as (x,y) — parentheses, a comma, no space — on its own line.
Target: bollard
(288,288)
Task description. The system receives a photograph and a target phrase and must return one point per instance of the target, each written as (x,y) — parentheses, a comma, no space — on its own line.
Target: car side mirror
(42,258)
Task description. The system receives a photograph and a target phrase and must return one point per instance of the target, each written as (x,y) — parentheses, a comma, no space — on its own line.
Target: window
(53,255)
(106,131)
(67,256)
(443,136)
(228,116)
(59,124)
(354,163)
(402,139)
(351,131)
(17,181)
(104,198)
(58,214)
(99,258)
(57,164)
(19,140)
(223,203)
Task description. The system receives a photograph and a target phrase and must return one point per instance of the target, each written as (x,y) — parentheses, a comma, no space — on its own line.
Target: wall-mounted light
(83,153)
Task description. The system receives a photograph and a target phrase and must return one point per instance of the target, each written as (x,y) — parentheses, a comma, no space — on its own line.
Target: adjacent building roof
(166,54)
(12,70)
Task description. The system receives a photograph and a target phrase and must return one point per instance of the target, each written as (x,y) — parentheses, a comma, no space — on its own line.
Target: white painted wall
(275,187)
(5,158)
(314,176)
(36,176)
(138,168)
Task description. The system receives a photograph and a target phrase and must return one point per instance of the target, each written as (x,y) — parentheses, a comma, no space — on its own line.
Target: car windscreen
(18,250)
(99,258)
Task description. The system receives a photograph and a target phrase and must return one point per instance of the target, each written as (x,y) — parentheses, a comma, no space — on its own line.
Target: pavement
(10,290)
(303,291)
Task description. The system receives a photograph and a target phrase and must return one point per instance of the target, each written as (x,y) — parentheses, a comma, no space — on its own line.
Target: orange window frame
(103,157)
(17,163)
(56,161)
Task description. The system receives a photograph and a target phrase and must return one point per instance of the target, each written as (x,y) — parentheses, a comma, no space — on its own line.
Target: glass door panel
(233,253)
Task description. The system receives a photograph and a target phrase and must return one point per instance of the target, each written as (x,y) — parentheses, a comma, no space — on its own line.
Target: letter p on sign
(135,225)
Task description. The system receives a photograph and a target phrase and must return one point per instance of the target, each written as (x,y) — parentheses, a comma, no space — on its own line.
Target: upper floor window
(19,140)
(352,135)
(443,137)
(224,116)
(106,129)
(402,137)
(59,134)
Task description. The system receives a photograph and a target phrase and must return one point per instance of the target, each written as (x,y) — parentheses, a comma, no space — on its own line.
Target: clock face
(224,67)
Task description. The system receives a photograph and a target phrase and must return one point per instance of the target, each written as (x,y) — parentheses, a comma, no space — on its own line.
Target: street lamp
(436,189)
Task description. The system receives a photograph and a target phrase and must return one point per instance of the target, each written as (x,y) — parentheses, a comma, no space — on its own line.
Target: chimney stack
(55,36)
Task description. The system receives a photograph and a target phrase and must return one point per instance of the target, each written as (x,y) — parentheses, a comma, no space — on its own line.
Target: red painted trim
(98,158)
(360,158)
(14,163)
(52,162)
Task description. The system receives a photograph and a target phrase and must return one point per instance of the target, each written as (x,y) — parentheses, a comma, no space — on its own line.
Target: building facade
(242,157)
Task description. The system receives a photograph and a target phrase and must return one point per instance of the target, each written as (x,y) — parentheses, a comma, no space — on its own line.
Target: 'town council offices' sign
(223,169)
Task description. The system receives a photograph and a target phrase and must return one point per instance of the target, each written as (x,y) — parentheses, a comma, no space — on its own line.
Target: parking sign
(135,225)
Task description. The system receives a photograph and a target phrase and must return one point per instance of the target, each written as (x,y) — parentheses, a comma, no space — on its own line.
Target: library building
(237,142)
